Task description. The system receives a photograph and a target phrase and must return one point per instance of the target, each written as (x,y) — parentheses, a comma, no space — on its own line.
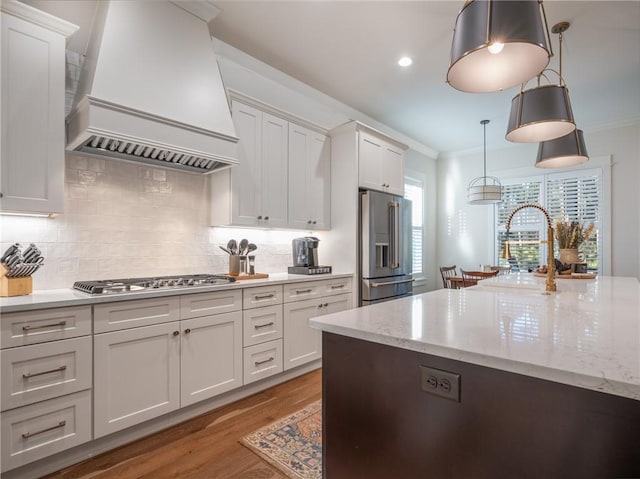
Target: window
(414,191)
(575,196)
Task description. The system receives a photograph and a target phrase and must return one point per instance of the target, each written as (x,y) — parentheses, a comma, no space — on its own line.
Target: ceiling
(349,50)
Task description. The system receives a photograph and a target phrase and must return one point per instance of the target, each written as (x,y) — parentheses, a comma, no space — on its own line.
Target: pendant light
(485,189)
(544,112)
(565,151)
(498,44)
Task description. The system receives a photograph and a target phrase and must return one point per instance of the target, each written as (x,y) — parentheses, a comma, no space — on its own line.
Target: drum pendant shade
(565,151)
(519,25)
(540,114)
(484,190)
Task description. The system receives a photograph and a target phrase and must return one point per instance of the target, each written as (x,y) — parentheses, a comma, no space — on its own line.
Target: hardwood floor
(205,447)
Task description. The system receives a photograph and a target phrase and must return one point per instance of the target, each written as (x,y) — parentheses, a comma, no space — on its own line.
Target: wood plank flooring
(205,447)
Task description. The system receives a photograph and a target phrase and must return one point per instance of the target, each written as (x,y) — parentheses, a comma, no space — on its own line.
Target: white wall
(462,228)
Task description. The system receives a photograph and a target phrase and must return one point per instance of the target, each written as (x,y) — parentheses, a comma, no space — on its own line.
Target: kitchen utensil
(251,247)
(225,249)
(243,246)
(10,251)
(31,253)
(232,246)
(252,264)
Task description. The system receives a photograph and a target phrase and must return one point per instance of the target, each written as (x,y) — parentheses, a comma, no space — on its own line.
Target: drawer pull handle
(337,286)
(258,363)
(53,325)
(264,296)
(32,375)
(258,326)
(27,435)
(301,291)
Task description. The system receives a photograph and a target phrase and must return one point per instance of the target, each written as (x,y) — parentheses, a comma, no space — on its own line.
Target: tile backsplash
(124,220)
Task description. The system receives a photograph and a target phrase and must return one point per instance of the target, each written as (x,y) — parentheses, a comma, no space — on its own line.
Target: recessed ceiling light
(405,61)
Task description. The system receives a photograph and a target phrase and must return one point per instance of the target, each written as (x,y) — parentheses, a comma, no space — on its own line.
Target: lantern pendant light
(498,44)
(544,112)
(484,190)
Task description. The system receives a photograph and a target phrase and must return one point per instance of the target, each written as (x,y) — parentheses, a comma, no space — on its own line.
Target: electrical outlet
(440,383)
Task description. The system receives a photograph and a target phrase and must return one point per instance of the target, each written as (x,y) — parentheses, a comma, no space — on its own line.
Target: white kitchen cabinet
(33,85)
(309,179)
(262,360)
(302,343)
(210,356)
(380,164)
(258,185)
(39,430)
(136,376)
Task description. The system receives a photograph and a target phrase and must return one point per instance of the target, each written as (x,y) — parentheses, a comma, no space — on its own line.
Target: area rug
(292,444)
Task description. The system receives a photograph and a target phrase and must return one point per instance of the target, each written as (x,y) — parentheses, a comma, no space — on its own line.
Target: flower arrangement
(571,234)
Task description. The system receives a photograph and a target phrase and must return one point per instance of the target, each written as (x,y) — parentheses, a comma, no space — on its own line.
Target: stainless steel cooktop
(128,285)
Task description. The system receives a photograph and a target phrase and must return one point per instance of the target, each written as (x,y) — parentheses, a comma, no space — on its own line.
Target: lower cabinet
(136,376)
(32,432)
(262,360)
(302,343)
(211,356)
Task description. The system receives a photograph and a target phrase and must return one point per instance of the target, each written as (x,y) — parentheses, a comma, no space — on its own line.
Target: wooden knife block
(14,286)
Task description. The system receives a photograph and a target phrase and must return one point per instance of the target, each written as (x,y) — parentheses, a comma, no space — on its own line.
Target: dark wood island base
(378,423)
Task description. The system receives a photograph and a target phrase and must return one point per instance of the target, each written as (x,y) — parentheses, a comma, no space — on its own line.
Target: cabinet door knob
(187,331)
(309,222)
(259,217)
(313,222)
(176,333)
(266,217)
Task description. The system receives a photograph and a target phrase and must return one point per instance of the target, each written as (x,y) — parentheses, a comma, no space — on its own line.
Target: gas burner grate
(128,285)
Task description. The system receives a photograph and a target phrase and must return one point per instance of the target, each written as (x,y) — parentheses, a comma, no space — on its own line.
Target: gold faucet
(551,265)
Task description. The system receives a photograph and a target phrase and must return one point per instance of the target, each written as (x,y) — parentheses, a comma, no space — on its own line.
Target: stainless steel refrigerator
(384,247)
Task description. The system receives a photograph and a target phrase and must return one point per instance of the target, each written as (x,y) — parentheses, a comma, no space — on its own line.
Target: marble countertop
(55,298)
(587,334)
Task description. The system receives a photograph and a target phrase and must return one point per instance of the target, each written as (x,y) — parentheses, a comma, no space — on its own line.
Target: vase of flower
(570,235)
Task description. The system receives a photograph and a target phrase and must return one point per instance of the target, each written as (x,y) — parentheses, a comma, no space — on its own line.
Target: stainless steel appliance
(130,285)
(384,247)
(305,257)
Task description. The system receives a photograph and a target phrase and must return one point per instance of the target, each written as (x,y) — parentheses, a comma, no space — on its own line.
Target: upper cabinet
(380,163)
(283,179)
(33,92)
(309,178)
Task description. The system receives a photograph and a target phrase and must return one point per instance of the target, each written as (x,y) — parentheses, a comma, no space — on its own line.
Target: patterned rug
(292,444)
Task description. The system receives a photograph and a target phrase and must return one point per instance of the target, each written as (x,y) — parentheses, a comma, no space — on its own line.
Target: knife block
(14,286)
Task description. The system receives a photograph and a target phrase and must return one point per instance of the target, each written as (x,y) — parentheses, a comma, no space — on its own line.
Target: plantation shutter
(414,191)
(577,197)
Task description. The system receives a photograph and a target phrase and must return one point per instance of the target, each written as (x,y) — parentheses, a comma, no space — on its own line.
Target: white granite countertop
(587,334)
(54,298)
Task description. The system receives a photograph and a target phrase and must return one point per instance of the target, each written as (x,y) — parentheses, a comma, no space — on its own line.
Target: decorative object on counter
(305,257)
(544,112)
(17,269)
(293,444)
(570,235)
(551,267)
(497,45)
(484,190)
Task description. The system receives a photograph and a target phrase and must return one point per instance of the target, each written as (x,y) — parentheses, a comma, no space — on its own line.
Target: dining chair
(448,272)
(471,278)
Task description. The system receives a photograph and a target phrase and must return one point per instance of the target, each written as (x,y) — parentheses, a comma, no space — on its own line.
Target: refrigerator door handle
(389,283)
(394,234)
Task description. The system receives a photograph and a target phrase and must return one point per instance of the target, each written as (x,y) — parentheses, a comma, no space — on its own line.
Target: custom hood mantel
(150,89)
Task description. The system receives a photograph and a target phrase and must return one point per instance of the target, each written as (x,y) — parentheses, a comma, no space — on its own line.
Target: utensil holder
(234,265)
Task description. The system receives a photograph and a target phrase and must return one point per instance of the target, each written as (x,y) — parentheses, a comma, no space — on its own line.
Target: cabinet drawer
(262,360)
(132,314)
(44,371)
(206,304)
(39,430)
(262,324)
(261,296)
(330,287)
(301,291)
(30,327)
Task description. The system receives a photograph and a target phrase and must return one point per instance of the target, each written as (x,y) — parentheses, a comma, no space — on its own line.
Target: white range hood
(150,89)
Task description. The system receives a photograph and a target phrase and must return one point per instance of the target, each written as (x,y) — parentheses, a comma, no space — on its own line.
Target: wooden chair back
(471,278)
(447,272)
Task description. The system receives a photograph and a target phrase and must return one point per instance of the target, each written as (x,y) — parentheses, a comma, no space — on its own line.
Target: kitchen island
(498,380)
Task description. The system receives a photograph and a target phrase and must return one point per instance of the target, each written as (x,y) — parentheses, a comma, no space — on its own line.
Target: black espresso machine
(305,257)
